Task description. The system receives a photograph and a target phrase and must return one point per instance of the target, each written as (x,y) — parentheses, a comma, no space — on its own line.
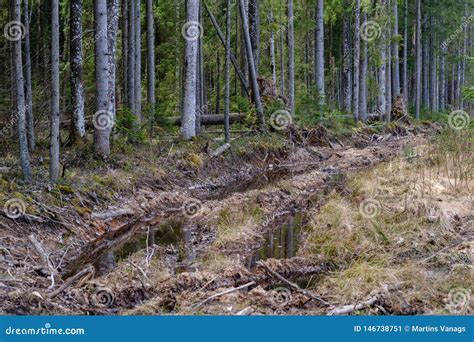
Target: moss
(195,160)
(67,189)
(83,211)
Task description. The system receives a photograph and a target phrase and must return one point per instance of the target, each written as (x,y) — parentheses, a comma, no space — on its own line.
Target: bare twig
(71,280)
(293,285)
(223,293)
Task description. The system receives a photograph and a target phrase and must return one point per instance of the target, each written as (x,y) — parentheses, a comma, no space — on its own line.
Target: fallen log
(212,119)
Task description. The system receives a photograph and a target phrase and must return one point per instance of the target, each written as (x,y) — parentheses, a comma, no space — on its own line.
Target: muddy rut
(146,255)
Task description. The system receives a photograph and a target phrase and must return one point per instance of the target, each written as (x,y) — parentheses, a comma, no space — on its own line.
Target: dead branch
(71,280)
(293,285)
(223,293)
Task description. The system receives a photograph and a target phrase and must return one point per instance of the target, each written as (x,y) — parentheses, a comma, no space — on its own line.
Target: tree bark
(30,124)
(405,55)
(151,97)
(103,117)
(272,49)
(131,58)
(77,86)
(54,122)
(395,51)
(19,96)
(227,75)
(319,52)
(254,29)
(291,55)
(383,70)
(138,59)
(363,77)
(112,21)
(188,122)
(418,74)
(356,61)
(347,83)
(250,61)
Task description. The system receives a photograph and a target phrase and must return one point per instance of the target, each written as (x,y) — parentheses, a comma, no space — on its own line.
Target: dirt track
(171,276)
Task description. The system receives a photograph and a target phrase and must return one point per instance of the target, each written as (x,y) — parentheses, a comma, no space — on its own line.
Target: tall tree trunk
(395,51)
(405,55)
(250,61)
(282,53)
(363,77)
(103,118)
(138,60)
(19,96)
(418,74)
(272,49)
(291,54)
(30,124)
(442,83)
(131,58)
(125,49)
(227,74)
(188,120)
(254,29)
(383,70)
(112,22)
(426,64)
(356,61)
(77,87)
(347,60)
(54,134)
(319,52)
(151,98)
(432,67)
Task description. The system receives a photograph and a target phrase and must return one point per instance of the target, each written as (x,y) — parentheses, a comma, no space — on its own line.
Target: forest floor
(374,221)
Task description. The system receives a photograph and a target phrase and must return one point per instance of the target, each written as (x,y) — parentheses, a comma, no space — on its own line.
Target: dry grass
(405,223)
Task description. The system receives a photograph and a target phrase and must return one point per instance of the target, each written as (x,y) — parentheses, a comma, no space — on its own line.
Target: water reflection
(282,242)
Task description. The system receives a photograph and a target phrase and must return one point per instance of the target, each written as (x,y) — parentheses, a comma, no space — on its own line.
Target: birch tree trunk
(291,55)
(188,120)
(19,96)
(103,118)
(418,74)
(356,61)
(319,52)
(30,124)
(54,122)
(77,86)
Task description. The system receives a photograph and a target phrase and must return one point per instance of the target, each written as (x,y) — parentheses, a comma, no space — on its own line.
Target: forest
(236,157)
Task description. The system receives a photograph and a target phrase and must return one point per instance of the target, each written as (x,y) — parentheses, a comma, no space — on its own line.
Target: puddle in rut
(282,242)
(174,233)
